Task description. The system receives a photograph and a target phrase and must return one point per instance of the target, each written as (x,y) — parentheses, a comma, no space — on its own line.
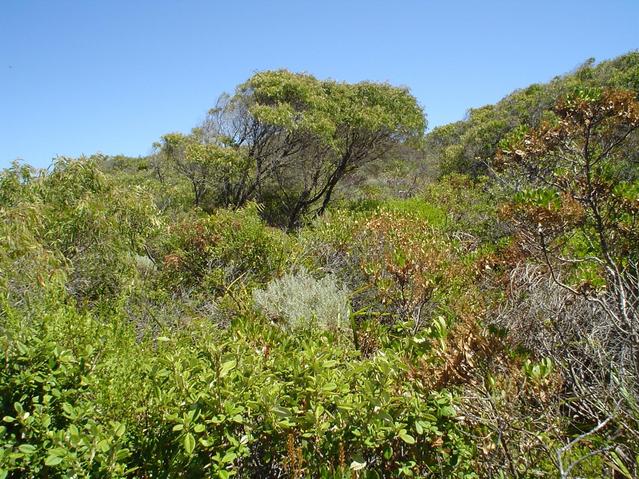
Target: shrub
(467,208)
(80,396)
(80,216)
(298,300)
(211,253)
(396,262)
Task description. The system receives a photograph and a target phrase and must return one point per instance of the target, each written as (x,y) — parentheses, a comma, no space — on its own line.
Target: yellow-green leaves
(189,443)
(329,109)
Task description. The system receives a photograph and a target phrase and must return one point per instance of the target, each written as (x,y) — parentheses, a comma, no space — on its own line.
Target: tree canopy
(301,136)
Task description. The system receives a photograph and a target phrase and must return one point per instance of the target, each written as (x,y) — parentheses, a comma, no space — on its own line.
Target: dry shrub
(593,362)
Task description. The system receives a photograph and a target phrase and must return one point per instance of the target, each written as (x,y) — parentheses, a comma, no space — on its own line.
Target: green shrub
(215,251)
(80,217)
(467,207)
(52,425)
(80,396)
(397,263)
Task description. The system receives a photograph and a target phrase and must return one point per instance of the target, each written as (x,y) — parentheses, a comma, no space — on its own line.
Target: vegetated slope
(154,324)
(466,146)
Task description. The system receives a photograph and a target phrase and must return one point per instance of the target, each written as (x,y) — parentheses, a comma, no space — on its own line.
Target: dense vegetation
(306,285)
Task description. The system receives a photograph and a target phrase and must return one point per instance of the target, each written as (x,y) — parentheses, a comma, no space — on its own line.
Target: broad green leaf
(103,445)
(282,412)
(27,448)
(119,429)
(189,443)
(229,457)
(407,438)
(52,460)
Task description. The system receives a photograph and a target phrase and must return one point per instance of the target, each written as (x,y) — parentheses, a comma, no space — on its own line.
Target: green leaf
(122,454)
(27,448)
(68,409)
(447,411)
(58,451)
(282,412)
(119,429)
(229,457)
(52,460)
(227,367)
(388,453)
(407,438)
(620,466)
(189,443)
(238,418)
(103,445)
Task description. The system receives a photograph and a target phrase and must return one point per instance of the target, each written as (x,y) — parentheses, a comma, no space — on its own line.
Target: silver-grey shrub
(299,301)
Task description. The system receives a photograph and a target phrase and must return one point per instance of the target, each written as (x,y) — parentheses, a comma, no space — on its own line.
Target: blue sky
(78,77)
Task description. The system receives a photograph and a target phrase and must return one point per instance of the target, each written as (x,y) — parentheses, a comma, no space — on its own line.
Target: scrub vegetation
(310,285)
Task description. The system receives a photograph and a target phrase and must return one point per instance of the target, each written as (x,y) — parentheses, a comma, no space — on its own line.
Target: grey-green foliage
(298,300)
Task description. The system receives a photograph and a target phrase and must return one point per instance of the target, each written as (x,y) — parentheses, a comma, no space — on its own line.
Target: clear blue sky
(78,77)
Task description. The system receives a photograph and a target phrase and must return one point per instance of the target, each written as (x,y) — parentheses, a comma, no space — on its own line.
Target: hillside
(466,146)
(309,285)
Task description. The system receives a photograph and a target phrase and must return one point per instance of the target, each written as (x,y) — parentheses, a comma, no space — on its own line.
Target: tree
(209,167)
(305,135)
